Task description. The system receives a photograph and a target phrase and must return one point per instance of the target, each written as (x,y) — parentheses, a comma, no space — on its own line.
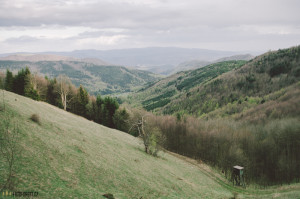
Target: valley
(153,99)
(70,156)
(198,124)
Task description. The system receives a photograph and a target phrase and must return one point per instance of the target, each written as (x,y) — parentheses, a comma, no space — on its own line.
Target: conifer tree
(9,80)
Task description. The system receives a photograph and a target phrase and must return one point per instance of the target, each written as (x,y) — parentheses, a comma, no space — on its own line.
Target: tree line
(269,152)
(62,93)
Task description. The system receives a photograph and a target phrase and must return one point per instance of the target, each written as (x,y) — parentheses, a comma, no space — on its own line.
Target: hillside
(246,87)
(245,57)
(194,64)
(232,93)
(177,86)
(67,156)
(98,79)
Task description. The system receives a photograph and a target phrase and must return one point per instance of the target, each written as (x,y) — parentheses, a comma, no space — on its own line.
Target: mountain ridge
(229,92)
(162,60)
(33,57)
(98,79)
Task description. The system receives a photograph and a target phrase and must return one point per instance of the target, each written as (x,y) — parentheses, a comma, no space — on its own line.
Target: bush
(35,118)
(156,141)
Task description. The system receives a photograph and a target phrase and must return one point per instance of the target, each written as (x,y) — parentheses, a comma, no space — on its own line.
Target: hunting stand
(238,176)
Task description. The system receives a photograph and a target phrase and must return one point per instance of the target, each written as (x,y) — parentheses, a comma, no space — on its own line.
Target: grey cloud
(190,23)
(128,15)
(22,39)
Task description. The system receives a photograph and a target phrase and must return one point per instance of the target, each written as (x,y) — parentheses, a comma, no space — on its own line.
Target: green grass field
(67,156)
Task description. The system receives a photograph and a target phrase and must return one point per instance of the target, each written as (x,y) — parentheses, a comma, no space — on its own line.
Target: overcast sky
(66,25)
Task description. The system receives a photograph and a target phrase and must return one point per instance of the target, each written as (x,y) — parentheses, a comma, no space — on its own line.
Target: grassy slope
(68,156)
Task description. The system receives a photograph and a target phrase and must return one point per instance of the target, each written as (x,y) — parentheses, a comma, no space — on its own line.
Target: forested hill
(98,79)
(159,94)
(254,83)
(263,80)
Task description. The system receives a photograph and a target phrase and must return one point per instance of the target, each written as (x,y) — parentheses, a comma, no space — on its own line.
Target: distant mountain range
(93,74)
(32,57)
(161,60)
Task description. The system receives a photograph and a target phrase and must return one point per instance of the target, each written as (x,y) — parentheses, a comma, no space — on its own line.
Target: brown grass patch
(35,118)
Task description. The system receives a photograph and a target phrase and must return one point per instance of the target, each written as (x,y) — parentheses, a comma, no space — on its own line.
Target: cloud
(22,39)
(143,14)
(220,24)
(101,40)
(44,32)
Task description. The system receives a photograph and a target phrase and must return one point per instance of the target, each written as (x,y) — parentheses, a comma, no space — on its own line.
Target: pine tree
(83,100)
(29,90)
(120,120)
(109,108)
(20,81)
(99,110)
(52,97)
(9,80)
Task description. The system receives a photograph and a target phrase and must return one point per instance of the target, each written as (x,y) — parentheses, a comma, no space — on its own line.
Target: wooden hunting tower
(238,175)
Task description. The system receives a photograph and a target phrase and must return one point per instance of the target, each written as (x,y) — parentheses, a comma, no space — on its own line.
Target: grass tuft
(35,118)
(109,196)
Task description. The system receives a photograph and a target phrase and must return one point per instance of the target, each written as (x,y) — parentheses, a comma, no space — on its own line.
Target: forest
(248,116)
(62,93)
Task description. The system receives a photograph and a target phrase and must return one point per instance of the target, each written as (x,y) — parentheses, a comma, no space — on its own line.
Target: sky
(67,25)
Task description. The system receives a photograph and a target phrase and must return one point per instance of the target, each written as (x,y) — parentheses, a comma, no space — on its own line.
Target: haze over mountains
(161,60)
(34,57)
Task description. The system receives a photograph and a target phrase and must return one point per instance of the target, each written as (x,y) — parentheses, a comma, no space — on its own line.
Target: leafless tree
(150,134)
(63,88)
(140,125)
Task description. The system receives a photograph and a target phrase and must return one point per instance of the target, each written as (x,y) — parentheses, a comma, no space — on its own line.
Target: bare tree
(63,88)
(140,125)
(150,134)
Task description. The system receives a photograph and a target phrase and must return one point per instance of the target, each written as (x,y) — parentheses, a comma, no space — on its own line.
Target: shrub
(35,118)
(156,141)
